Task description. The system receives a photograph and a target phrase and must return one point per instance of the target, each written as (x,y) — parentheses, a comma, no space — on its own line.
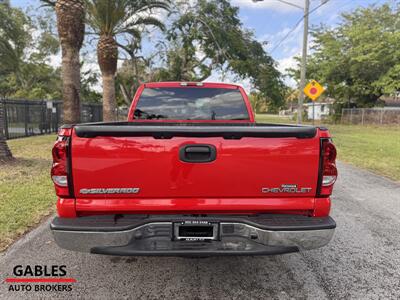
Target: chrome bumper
(156,239)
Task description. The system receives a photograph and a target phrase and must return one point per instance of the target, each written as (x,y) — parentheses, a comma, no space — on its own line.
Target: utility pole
(303,63)
(306,11)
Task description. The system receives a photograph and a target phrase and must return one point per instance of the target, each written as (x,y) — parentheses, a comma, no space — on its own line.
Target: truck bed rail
(169,130)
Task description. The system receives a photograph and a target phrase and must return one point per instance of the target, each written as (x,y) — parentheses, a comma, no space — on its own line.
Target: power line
(287,35)
(296,25)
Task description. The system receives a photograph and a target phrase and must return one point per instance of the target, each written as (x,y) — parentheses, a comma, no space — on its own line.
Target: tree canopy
(208,36)
(359,60)
(25,48)
(201,38)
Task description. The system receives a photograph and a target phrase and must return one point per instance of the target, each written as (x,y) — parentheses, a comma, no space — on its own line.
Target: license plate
(196,230)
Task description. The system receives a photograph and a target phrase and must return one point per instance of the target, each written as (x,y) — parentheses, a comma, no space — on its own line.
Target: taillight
(59,169)
(328,168)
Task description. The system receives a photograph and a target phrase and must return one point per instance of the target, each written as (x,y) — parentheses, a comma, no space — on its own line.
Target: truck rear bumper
(143,235)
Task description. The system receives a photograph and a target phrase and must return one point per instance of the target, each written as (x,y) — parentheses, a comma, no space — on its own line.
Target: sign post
(313,112)
(313,90)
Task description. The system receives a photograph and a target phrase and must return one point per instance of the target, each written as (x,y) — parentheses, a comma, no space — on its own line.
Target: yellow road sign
(313,90)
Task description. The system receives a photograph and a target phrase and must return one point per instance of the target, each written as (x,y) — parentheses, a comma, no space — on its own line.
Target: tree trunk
(5,152)
(71,78)
(107,56)
(109,103)
(125,94)
(71,29)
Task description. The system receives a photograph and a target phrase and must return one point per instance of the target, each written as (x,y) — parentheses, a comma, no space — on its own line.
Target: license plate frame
(196,231)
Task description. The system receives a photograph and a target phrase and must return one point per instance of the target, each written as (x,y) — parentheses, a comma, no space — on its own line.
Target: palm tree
(71,29)
(108,19)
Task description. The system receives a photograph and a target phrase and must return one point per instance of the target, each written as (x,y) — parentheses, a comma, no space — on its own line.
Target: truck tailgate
(249,162)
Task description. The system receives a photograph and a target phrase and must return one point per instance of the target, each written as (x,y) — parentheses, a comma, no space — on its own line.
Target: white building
(322,110)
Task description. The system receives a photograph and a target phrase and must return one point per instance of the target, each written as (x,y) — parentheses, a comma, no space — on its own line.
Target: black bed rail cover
(170,130)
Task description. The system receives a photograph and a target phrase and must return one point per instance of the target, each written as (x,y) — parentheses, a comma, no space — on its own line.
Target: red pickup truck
(191,173)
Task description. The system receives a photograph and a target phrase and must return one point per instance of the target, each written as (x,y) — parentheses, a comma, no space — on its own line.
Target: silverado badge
(110,191)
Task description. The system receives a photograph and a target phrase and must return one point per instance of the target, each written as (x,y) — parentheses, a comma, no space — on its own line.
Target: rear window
(191,104)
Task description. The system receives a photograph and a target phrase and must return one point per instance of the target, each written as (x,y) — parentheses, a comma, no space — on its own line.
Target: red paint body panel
(232,183)
(66,208)
(193,205)
(322,207)
(242,167)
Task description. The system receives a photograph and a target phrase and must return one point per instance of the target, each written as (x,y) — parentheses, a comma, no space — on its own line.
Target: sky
(271,20)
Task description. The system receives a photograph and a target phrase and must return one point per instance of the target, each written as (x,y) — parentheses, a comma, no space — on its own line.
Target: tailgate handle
(198,153)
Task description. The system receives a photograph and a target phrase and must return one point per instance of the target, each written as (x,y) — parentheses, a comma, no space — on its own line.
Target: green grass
(26,190)
(376,148)
(370,147)
(266,118)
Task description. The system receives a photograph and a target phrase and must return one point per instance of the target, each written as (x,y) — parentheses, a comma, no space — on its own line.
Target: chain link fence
(367,116)
(24,118)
